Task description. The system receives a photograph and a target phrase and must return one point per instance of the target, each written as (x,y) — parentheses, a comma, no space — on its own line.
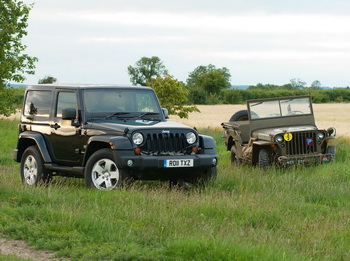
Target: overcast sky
(259,41)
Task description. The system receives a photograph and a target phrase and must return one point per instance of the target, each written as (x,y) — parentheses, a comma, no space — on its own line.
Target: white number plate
(178,163)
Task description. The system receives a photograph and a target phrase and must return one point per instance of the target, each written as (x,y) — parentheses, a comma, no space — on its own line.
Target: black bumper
(145,162)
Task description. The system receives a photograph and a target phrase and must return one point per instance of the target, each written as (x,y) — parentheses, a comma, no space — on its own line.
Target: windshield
(121,104)
(279,108)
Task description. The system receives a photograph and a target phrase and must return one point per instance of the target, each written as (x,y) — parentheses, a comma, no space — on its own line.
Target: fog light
(130,163)
(215,161)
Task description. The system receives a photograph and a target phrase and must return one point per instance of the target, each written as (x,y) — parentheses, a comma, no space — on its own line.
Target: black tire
(264,159)
(33,171)
(234,159)
(241,115)
(332,151)
(102,173)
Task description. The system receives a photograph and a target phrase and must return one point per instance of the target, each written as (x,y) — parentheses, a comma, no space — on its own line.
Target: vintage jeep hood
(269,133)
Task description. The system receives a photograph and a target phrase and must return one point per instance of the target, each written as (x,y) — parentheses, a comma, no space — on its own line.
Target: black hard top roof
(83,86)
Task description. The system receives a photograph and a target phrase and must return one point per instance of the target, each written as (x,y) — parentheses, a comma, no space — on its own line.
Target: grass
(247,214)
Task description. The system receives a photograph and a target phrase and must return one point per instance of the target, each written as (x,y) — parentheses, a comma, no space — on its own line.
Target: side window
(38,103)
(65,100)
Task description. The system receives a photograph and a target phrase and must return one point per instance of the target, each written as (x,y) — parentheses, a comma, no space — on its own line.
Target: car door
(65,139)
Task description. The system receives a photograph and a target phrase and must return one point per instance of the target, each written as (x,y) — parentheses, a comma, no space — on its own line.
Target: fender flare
(207,142)
(38,139)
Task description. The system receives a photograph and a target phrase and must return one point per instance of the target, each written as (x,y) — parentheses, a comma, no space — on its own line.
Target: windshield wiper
(142,116)
(117,115)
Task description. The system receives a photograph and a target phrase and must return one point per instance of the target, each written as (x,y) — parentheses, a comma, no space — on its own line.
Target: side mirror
(165,113)
(69,114)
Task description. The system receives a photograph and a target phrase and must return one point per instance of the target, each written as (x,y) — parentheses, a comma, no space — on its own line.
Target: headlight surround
(137,138)
(191,137)
(320,135)
(279,138)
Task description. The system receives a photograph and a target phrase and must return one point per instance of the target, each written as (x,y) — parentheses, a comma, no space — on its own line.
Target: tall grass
(247,214)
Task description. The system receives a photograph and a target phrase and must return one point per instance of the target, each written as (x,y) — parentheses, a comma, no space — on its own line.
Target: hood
(269,133)
(120,126)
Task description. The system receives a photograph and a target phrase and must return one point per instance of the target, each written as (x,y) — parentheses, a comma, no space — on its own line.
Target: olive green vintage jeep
(278,131)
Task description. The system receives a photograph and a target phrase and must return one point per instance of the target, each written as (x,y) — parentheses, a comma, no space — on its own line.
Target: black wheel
(332,151)
(234,159)
(240,116)
(264,159)
(32,167)
(101,172)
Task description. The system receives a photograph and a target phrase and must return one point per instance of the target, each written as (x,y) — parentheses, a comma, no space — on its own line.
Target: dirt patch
(21,249)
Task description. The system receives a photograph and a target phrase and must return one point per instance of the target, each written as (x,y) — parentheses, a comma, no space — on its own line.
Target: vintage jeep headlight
(191,137)
(279,138)
(320,135)
(137,138)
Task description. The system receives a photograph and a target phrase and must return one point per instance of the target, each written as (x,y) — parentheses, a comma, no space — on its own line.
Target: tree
(316,85)
(47,80)
(297,84)
(172,95)
(13,62)
(209,78)
(145,69)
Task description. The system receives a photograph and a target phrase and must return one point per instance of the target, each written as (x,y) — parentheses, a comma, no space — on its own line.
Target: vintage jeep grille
(165,144)
(302,143)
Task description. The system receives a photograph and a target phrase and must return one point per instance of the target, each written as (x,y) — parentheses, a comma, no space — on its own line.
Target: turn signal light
(137,151)
(195,149)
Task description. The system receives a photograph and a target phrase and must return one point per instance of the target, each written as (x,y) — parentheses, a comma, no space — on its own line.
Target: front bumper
(306,159)
(130,161)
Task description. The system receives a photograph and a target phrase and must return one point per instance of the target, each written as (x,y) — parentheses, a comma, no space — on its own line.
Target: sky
(259,41)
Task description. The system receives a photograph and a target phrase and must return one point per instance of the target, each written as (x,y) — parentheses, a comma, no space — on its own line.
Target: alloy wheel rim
(105,174)
(30,170)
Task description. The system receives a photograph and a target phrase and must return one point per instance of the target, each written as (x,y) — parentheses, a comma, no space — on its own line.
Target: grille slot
(165,144)
(302,143)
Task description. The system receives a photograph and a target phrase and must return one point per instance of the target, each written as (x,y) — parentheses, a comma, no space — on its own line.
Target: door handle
(55,126)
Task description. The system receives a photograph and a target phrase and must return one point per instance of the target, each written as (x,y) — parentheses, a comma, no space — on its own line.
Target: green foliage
(14,63)
(172,95)
(232,97)
(198,96)
(247,214)
(145,69)
(209,78)
(48,79)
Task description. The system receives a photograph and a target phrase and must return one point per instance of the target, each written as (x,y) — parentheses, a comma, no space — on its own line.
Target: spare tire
(240,116)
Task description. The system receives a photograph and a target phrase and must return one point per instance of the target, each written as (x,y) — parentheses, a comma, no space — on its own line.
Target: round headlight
(279,138)
(137,138)
(320,135)
(191,137)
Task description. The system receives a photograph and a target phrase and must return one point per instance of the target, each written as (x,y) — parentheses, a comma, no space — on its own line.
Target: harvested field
(327,115)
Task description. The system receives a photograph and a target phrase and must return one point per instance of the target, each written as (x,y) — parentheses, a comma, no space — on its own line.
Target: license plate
(178,163)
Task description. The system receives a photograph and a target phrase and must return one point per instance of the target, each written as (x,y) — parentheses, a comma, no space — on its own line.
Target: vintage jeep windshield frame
(280,112)
(279,108)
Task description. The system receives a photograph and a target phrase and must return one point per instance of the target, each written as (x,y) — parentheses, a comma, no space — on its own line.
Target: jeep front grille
(165,144)
(302,143)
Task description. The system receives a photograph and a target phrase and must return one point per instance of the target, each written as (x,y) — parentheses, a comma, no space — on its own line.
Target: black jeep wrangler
(107,135)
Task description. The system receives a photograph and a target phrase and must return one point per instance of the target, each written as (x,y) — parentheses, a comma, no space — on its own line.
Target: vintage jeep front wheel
(332,151)
(101,172)
(234,159)
(32,167)
(264,159)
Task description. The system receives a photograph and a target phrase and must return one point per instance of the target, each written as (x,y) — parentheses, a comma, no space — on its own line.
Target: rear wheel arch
(32,139)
